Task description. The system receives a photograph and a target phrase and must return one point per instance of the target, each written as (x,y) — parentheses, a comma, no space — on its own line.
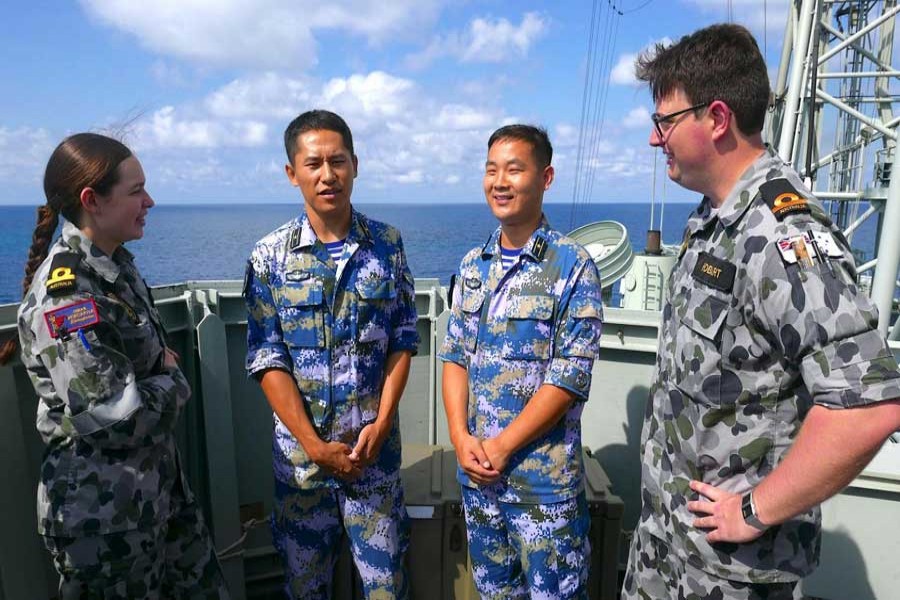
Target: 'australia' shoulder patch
(714,272)
(783,198)
(61,279)
(70,318)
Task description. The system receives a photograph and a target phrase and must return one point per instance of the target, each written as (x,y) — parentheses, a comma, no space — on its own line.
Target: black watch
(748,509)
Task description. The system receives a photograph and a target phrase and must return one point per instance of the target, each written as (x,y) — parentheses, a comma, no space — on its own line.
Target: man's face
(685,141)
(324,169)
(514,184)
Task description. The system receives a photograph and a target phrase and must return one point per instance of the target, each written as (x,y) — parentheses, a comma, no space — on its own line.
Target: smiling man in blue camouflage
(523,334)
(331,330)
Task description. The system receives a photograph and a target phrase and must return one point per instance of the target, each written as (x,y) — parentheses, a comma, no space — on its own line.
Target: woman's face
(121,211)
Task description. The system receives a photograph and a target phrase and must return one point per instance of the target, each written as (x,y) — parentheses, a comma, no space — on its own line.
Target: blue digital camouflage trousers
(521,551)
(308,527)
(173,560)
(654,572)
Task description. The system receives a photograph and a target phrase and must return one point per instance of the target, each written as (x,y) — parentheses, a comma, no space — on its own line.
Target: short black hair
(536,136)
(719,62)
(313,120)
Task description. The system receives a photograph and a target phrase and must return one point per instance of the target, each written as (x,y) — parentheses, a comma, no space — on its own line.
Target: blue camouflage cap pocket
(528,327)
(375,301)
(301,311)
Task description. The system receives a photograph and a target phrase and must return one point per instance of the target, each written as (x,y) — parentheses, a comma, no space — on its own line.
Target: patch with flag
(70,318)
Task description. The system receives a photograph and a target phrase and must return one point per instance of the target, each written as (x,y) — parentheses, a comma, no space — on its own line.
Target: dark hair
(719,62)
(536,136)
(80,161)
(312,120)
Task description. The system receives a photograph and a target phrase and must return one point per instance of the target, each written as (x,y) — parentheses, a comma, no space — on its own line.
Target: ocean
(191,242)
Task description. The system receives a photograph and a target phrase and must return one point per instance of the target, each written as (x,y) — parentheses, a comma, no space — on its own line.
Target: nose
(148,200)
(655,139)
(327,172)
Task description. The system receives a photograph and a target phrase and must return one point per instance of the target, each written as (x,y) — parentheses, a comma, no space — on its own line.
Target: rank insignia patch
(714,272)
(72,317)
(783,198)
(61,279)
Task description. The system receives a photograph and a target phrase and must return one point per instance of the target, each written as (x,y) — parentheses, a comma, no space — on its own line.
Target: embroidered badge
(714,272)
(296,275)
(61,279)
(539,248)
(783,198)
(473,283)
(70,318)
(294,242)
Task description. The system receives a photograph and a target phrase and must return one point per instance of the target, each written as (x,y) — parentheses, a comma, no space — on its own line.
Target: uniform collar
(535,247)
(739,199)
(107,267)
(303,235)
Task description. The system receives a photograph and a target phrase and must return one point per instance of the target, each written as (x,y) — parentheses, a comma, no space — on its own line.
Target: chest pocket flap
(302,313)
(376,289)
(528,327)
(302,293)
(704,313)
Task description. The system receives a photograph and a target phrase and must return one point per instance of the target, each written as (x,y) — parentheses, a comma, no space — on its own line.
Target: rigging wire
(588,72)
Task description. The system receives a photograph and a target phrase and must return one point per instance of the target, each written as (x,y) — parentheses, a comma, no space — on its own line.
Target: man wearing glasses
(773,387)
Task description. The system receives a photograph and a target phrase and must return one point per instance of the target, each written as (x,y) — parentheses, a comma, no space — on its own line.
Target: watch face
(746,507)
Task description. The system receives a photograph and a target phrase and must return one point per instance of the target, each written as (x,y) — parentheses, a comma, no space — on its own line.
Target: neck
(107,246)
(733,164)
(330,227)
(516,236)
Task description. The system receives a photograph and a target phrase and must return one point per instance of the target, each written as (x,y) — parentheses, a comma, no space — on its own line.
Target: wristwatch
(748,509)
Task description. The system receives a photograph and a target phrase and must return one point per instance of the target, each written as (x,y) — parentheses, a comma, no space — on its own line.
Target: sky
(202,90)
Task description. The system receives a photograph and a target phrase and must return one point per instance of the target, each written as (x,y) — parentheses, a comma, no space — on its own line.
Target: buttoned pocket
(376,297)
(472,301)
(528,327)
(301,311)
(697,368)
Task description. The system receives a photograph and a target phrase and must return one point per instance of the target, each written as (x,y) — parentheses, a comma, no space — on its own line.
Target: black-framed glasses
(660,120)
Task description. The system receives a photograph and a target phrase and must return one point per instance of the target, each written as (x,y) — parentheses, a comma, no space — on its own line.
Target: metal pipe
(792,101)
(865,30)
(859,75)
(864,51)
(860,220)
(892,135)
(884,282)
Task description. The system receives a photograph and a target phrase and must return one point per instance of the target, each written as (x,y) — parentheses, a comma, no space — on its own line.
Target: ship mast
(834,121)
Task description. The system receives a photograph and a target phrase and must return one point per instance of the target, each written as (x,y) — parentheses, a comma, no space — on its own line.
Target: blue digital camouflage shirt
(514,331)
(332,325)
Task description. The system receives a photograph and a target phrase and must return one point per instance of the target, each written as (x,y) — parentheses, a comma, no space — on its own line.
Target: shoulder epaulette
(61,279)
(783,198)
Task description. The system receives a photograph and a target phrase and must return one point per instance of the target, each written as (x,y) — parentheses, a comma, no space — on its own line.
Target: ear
(88,199)
(355,166)
(721,116)
(547,176)
(291,174)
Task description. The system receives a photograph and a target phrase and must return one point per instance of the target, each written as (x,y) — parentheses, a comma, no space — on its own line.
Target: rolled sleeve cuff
(870,376)
(572,374)
(268,356)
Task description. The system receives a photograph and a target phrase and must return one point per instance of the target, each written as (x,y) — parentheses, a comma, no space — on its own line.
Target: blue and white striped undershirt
(335,249)
(508,256)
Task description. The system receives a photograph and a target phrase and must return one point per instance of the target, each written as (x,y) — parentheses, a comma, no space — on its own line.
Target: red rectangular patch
(72,317)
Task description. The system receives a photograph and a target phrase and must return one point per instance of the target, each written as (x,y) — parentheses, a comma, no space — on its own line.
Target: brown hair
(80,161)
(719,62)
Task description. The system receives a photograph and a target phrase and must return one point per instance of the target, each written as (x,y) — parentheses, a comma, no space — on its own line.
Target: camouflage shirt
(332,324)
(763,319)
(514,331)
(93,345)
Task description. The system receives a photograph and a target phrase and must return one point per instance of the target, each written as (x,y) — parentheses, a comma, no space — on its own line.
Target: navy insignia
(294,242)
(539,248)
(714,272)
(61,279)
(70,318)
(473,283)
(783,198)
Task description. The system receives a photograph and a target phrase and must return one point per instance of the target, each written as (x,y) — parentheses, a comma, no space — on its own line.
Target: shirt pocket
(375,299)
(472,301)
(528,328)
(302,313)
(697,369)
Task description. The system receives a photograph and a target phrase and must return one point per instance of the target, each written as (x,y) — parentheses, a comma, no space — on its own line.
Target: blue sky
(203,89)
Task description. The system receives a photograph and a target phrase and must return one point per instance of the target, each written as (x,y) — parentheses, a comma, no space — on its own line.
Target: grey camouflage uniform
(107,412)
(749,342)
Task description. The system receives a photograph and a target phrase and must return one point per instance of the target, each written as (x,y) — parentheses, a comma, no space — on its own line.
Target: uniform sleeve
(453,349)
(404,336)
(104,403)
(824,326)
(576,340)
(265,342)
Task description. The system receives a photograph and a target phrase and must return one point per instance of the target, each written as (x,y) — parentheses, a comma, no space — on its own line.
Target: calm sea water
(213,241)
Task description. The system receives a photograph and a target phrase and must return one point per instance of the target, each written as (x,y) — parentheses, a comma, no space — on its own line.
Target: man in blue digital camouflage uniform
(331,329)
(773,387)
(523,334)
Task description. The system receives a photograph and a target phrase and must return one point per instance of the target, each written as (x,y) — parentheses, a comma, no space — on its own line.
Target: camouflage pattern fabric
(522,551)
(749,341)
(332,325)
(108,406)
(514,331)
(308,525)
(657,571)
(174,559)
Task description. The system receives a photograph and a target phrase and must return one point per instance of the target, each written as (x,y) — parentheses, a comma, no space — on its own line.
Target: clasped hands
(483,461)
(344,462)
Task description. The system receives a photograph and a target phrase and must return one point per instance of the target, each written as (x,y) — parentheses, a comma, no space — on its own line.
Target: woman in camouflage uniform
(114,508)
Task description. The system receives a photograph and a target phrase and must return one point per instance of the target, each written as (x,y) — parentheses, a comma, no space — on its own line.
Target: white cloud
(623,72)
(166,128)
(485,40)
(258,33)
(267,95)
(637,118)
(24,152)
